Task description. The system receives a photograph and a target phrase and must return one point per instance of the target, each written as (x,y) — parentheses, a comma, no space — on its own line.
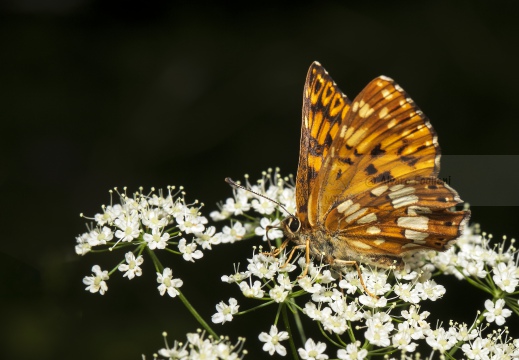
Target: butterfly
(367,187)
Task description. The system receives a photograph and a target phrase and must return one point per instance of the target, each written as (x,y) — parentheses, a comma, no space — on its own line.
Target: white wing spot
(414,222)
(401,192)
(373,230)
(360,244)
(379,242)
(416,236)
(365,111)
(382,114)
(357,137)
(367,219)
(343,131)
(379,190)
(356,215)
(404,201)
(392,123)
(355,106)
(344,206)
(396,187)
(385,93)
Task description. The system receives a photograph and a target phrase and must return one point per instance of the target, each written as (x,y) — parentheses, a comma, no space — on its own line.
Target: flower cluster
(394,318)
(200,347)
(148,222)
(359,312)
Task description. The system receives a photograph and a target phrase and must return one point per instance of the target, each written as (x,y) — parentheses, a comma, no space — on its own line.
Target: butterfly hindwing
(395,219)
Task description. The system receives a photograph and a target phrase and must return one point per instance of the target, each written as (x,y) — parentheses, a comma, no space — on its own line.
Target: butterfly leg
(361,279)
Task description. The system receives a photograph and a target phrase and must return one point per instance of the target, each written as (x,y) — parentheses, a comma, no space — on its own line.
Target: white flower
(440,340)
(153,218)
(189,252)
(478,349)
(96,282)
(167,283)
(407,293)
(496,312)
(505,277)
(225,312)
(274,233)
(278,294)
(191,223)
(372,302)
(260,266)
(109,215)
(272,340)
(129,228)
(132,265)
(313,351)
(263,206)
(176,352)
(208,238)
(352,352)
(82,246)
(238,206)
(156,240)
(378,328)
(430,290)
(315,313)
(230,235)
(100,236)
(254,291)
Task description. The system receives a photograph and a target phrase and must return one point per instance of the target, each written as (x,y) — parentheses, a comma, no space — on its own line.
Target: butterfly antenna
(233,183)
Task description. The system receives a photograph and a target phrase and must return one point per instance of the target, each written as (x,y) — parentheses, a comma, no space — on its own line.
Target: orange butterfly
(367,189)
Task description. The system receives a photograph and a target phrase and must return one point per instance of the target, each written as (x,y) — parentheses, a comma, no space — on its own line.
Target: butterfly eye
(294,224)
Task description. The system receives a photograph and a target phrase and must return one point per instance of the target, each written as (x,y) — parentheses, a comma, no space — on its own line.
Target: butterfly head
(291,226)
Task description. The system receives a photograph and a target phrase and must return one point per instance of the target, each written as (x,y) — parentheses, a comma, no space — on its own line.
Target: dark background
(97,94)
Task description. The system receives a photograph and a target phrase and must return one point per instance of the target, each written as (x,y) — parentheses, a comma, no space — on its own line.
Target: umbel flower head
(395,318)
(156,221)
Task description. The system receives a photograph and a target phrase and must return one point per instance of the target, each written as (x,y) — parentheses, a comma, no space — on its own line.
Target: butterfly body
(367,189)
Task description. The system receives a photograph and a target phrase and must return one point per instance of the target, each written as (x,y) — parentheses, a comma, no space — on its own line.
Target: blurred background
(97,94)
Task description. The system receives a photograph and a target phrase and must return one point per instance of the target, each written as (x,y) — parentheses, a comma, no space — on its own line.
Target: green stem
(187,304)
(196,315)
(289,330)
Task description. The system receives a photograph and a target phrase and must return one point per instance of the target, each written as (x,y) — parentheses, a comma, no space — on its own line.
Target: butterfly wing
(324,109)
(377,190)
(391,220)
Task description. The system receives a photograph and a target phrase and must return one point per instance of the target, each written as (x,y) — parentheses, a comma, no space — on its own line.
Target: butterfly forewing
(324,108)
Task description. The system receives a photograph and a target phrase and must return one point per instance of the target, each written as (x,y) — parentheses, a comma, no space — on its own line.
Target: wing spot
(371,169)
(357,137)
(379,190)
(401,192)
(366,111)
(367,219)
(355,106)
(343,131)
(379,242)
(396,187)
(416,236)
(414,222)
(386,94)
(344,206)
(392,123)
(373,230)
(356,215)
(404,201)
(360,244)
(382,114)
